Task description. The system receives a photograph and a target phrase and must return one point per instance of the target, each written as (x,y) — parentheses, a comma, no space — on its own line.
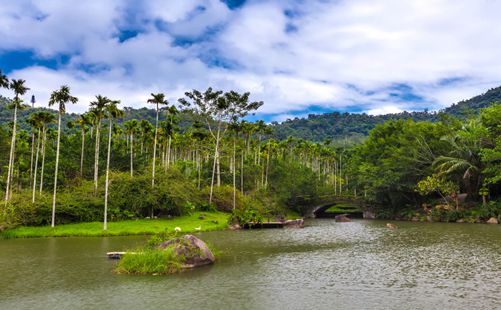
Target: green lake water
(326,265)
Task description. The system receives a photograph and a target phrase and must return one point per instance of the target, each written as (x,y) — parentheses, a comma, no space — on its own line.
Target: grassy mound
(150,261)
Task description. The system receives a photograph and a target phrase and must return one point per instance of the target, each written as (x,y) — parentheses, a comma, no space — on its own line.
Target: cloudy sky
(298,56)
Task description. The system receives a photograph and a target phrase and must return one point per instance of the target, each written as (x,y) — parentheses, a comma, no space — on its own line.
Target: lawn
(211,221)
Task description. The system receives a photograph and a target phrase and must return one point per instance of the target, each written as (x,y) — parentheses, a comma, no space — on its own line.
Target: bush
(173,194)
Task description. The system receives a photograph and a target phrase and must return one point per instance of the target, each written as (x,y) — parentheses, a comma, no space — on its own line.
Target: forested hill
(476,103)
(335,126)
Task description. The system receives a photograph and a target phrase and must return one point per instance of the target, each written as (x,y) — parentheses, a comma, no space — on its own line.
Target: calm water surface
(327,265)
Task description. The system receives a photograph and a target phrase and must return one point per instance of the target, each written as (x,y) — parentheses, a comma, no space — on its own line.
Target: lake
(326,265)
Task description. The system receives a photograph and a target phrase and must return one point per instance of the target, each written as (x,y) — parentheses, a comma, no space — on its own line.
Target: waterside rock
(492,220)
(342,218)
(197,253)
(297,223)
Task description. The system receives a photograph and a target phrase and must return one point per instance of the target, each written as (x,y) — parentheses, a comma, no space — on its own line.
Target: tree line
(219,153)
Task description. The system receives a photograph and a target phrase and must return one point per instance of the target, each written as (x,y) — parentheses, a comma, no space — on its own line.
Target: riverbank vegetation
(101,168)
(200,154)
(453,164)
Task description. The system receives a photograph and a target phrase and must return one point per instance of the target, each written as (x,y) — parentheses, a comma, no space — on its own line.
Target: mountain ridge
(316,127)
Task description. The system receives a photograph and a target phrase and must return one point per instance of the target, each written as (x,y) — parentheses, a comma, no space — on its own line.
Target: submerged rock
(492,220)
(195,251)
(342,218)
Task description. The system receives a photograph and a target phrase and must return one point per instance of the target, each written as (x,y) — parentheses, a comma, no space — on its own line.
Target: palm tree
(112,112)
(131,129)
(4,81)
(35,120)
(463,161)
(84,120)
(19,89)
(156,99)
(98,111)
(45,119)
(61,97)
(170,128)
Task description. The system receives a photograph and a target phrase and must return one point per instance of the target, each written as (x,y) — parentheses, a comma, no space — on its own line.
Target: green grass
(123,228)
(150,261)
(343,208)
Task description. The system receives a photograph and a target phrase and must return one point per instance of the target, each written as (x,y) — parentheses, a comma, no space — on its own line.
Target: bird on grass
(198,228)
(177,229)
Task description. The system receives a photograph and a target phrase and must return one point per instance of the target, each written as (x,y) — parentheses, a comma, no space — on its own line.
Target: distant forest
(337,128)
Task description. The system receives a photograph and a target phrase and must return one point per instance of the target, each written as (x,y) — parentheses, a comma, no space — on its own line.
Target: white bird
(198,228)
(177,229)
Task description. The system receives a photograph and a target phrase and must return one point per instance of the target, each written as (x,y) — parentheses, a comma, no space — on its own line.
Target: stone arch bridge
(355,206)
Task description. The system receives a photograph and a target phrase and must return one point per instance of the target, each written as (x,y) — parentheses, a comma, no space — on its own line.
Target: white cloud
(329,54)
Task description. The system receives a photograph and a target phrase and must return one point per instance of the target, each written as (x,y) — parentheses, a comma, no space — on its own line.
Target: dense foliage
(112,169)
(204,157)
(407,163)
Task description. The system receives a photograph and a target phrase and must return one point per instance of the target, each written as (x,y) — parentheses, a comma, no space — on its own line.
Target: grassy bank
(211,221)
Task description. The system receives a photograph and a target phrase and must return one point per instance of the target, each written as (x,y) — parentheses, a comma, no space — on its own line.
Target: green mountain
(474,104)
(338,127)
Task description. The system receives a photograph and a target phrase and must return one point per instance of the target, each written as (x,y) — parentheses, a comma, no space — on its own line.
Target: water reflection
(357,265)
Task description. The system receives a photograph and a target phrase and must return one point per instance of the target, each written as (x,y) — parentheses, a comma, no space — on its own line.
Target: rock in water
(492,220)
(297,223)
(342,218)
(391,226)
(197,253)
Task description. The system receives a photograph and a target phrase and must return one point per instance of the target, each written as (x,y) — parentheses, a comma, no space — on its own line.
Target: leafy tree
(437,184)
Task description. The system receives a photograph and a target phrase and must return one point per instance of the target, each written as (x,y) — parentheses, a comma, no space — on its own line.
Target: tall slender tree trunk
(53,222)
(31,156)
(11,155)
(96,157)
(82,153)
(44,138)
(168,150)
(242,172)
(36,168)
(154,154)
(199,168)
(267,168)
(234,174)
(107,177)
(216,154)
(131,155)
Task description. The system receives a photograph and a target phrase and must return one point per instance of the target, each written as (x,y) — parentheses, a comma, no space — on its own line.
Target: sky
(298,56)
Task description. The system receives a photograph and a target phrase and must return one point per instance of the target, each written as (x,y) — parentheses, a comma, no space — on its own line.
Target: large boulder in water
(342,218)
(196,252)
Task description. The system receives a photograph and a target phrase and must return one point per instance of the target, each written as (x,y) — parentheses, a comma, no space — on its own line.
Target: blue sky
(299,57)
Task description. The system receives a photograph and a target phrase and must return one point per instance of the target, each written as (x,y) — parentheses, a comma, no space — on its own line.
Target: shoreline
(211,221)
